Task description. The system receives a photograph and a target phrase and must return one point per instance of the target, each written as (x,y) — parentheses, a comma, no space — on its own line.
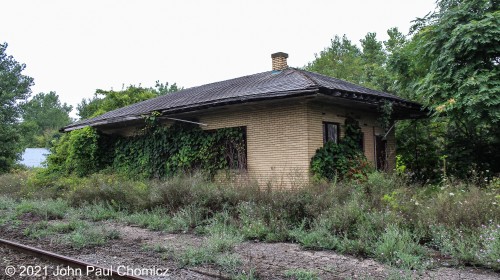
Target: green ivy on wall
(156,152)
(342,160)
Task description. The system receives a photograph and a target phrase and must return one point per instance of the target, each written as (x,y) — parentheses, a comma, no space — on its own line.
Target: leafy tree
(43,116)
(420,144)
(460,47)
(341,60)
(462,40)
(105,101)
(344,60)
(374,74)
(164,88)
(14,87)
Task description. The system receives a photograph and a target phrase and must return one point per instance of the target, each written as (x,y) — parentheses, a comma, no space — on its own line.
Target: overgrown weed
(383,216)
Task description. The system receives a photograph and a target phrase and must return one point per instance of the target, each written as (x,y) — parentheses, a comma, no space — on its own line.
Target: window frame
(362,142)
(325,132)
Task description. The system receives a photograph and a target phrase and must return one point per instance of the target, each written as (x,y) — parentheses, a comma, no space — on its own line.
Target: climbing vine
(78,152)
(164,151)
(342,160)
(156,152)
(385,109)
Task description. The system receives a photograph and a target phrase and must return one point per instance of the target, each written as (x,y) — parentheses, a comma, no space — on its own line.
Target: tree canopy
(108,100)
(449,63)
(14,87)
(462,42)
(42,117)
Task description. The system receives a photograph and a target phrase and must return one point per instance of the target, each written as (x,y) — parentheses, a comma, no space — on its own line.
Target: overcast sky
(76,47)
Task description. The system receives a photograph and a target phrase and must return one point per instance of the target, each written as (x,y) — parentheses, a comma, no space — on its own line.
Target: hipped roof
(290,82)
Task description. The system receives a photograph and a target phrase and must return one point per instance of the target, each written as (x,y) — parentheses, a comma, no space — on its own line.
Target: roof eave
(413,110)
(196,107)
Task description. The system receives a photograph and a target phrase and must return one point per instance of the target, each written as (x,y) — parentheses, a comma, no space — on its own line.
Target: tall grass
(383,216)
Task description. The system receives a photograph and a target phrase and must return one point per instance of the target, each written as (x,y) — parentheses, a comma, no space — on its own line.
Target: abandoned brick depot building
(288,114)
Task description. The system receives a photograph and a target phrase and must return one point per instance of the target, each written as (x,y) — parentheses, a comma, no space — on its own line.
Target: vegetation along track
(85,268)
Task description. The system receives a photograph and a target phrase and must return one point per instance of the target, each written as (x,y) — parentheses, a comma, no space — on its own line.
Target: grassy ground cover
(383,217)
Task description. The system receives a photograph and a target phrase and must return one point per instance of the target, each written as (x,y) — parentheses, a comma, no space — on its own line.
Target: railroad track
(84,266)
(70,262)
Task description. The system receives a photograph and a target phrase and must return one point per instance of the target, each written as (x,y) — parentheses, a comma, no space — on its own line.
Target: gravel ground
(16,265)
(268,260)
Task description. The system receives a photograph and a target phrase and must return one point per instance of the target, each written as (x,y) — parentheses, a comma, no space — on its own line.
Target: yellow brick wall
(318,113)
(282,137)
(277,143)
(391,150)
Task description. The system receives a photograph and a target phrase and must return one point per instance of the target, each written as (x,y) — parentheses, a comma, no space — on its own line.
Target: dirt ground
(267,260)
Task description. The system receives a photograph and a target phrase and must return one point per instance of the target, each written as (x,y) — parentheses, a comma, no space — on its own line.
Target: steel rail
(112,274)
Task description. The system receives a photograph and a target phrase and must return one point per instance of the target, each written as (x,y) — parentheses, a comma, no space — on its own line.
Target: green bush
(317,238)
(76,152)
(251,224)
(476,246)
(341,160)
(97,212)
(12,183)
(460,207)
(399,248)
(382,217)
(113,190)
(87,236)
(188,218)
(46,209)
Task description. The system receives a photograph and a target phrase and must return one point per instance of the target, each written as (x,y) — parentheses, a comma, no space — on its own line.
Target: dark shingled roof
(267,85)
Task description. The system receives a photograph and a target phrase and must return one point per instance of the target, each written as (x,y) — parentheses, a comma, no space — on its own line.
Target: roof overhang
(196,107)
(402,109)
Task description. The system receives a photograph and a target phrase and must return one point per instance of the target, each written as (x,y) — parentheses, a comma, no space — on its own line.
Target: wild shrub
(231,263)
(222,234)
(252,225)
(7,203)
(457,207)
(489,238)
(112,190)
(90,236)
(372,225)
(218,246)
(12,183)
(399,248)
(97,212)
(341,160)
(155,219)
(476,246)
(188,218)
(319,237)
(463,244)
(342,219)
(182,190)
(45,209)
(44,228)
(43,184)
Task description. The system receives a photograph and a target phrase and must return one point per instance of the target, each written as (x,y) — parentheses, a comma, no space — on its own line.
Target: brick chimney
(279,61)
